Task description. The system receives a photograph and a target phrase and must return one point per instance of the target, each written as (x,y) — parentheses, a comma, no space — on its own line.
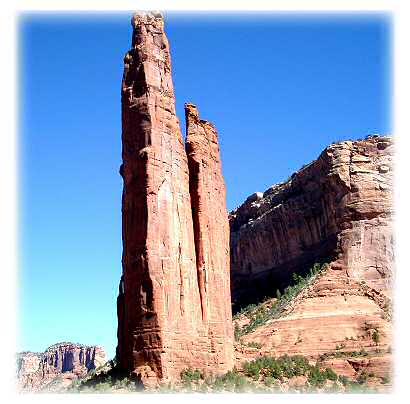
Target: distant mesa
(60,364)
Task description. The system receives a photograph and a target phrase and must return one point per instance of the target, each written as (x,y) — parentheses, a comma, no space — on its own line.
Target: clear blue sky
(279,89)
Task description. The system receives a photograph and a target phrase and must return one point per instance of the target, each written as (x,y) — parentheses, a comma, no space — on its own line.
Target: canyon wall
(336,209)
(169,317)
(64,360)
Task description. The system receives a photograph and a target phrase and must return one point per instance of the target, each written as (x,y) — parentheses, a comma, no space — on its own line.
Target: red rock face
(162,325)
(211,231)
(64,360)
(337,208)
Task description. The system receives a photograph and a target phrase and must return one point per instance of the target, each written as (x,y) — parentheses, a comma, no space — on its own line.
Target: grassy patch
(343,354)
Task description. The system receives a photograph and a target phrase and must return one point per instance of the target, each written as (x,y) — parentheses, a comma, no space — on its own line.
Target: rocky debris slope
(336,209)
(64,361)
(342,323)
(174,299)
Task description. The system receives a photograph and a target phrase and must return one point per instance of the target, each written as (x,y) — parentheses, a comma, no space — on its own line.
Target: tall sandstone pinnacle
(172,312)
(211,228)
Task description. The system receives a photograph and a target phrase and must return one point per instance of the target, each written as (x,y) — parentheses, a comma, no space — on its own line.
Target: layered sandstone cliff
(64,361)
(174,293)
(337,209)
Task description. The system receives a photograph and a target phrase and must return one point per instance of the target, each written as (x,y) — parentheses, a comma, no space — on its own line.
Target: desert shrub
(107,379)
(231,381)
(237,332)
(254,344)
(363,377)
(330,374)
(376,336)
(334,388)
(367,326)
(277,368)
(343,379)
(317,377)
(252,369)
(189,375)
(344,354)
(269,381)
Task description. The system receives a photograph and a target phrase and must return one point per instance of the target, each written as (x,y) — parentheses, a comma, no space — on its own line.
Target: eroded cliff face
(337,209)
(64,361)
(167,318)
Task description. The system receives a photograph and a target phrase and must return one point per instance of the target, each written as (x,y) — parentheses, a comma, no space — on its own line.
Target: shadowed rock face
(167,318)
(36,370)
(337,209)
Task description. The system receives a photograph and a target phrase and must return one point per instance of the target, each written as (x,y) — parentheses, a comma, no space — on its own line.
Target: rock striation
(336,209)
(64,361)
(174,292)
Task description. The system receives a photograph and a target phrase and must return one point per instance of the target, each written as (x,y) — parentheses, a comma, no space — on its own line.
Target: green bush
(363,377)
(254,344)
(237,332)
(269,381)
(343,354)
(231,381)
(376,336)
(330,374)
(344,380)
(317,377)
(190,375)
(277,368)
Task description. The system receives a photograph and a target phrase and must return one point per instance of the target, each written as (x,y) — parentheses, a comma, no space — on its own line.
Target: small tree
(376,336)
(237,332)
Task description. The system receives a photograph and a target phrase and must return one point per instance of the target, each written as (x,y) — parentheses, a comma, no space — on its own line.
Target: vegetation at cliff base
(106,379)
(266,374)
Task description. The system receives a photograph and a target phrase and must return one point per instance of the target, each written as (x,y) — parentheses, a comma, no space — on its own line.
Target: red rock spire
(161,329)
(211,229)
